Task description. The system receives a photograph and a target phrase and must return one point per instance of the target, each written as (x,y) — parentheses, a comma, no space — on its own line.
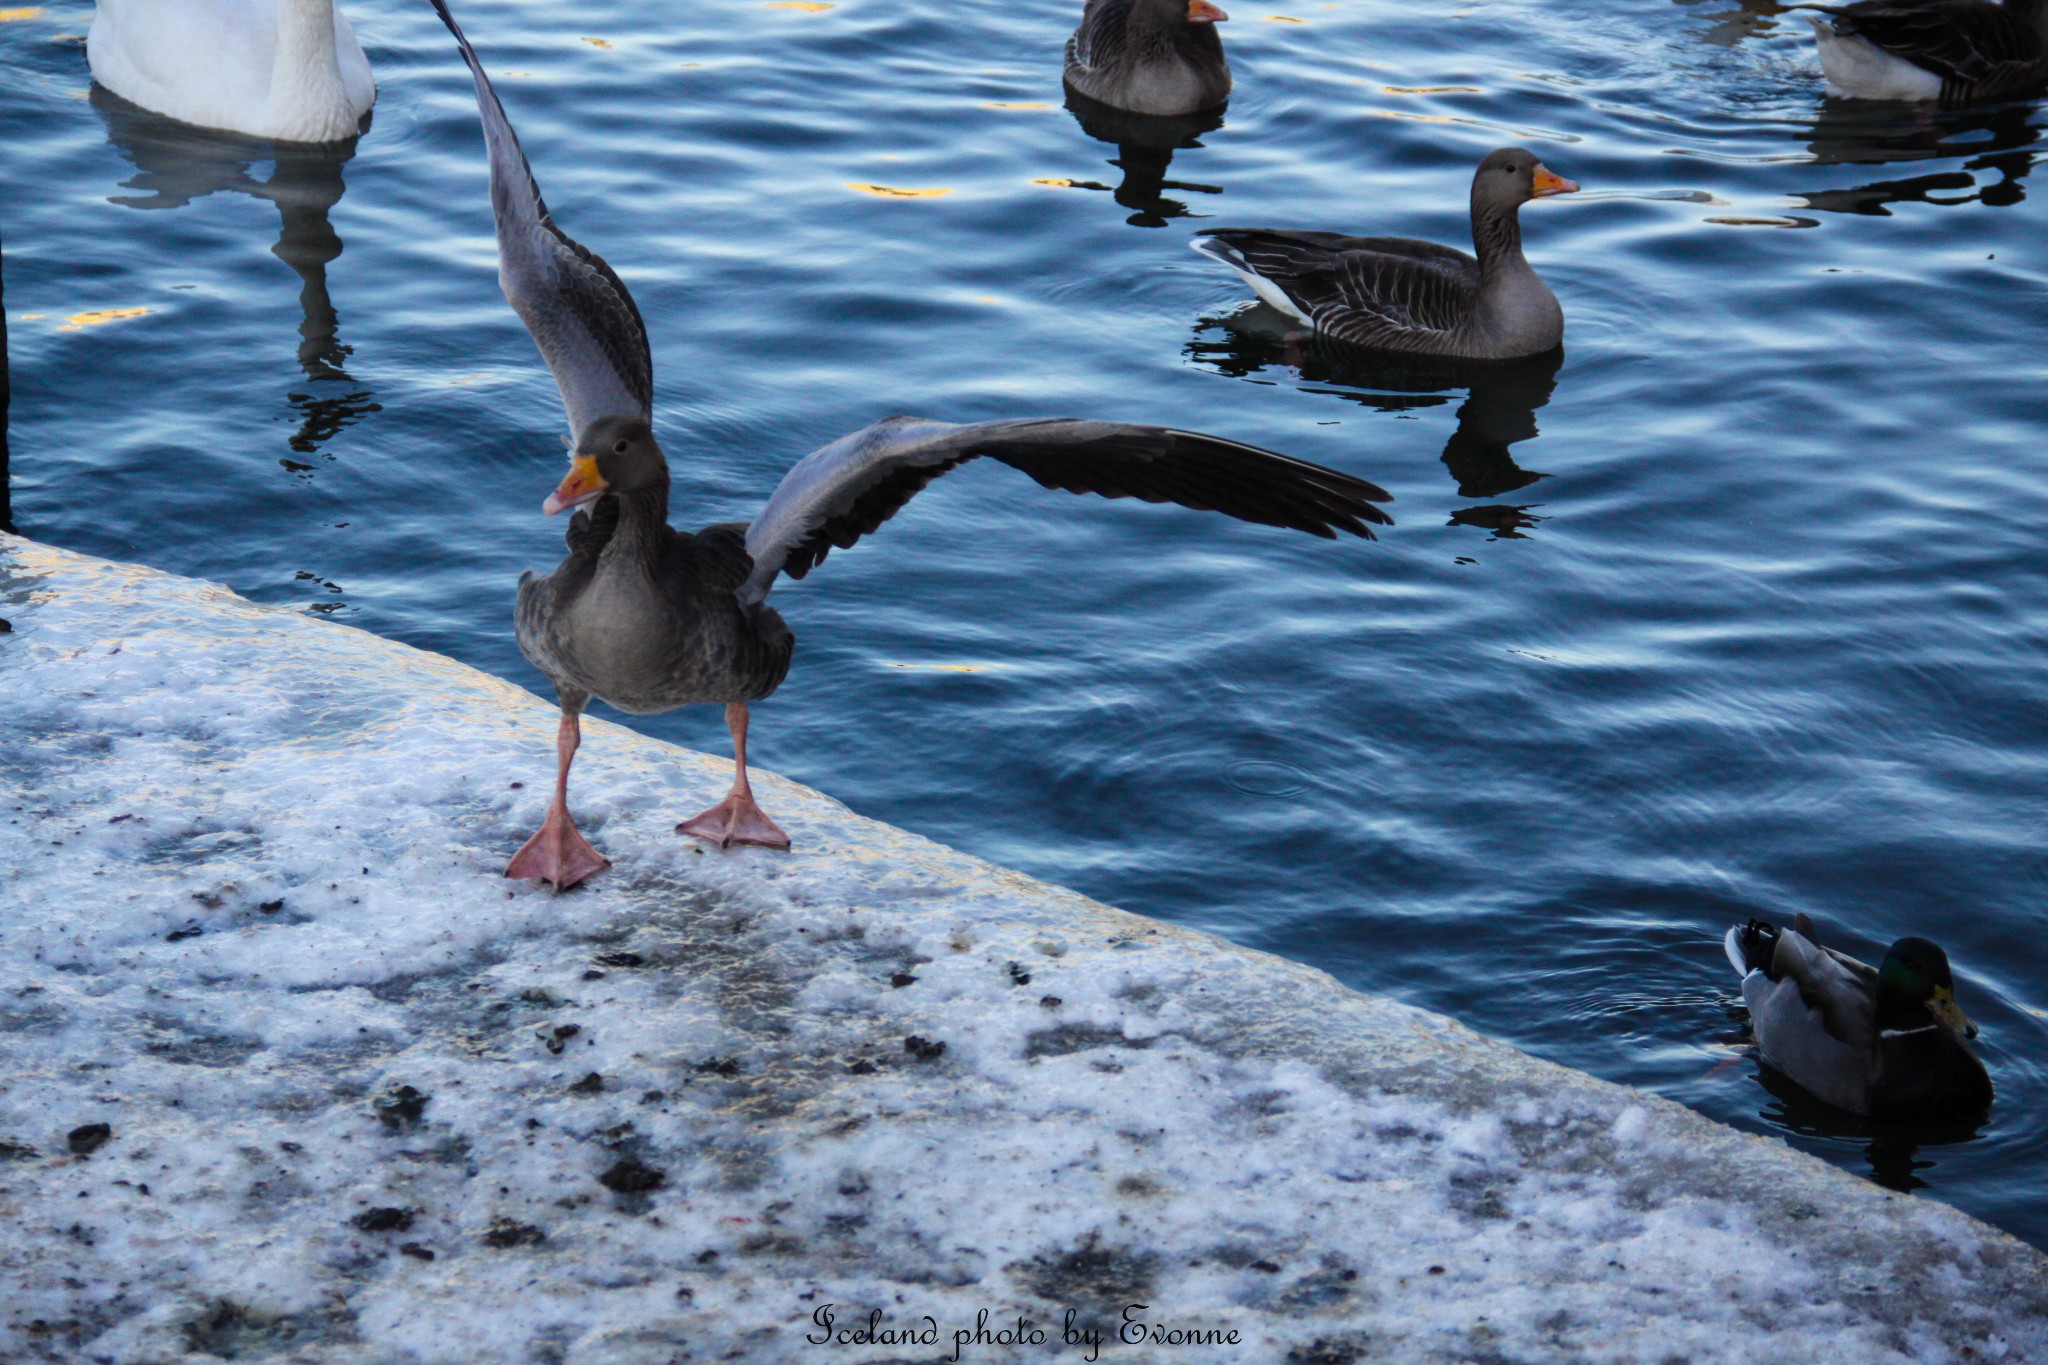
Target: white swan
(291,70)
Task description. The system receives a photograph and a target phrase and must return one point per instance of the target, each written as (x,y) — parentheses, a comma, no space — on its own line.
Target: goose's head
(613,455)
(1512,176)
(1914,988)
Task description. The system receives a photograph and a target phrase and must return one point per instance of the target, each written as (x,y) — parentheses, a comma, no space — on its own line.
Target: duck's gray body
(1814,1014)
(646,617)
(1144,56)
(1403,294)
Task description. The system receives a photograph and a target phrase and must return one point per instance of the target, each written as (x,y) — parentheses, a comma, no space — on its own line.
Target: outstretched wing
(577,308)
(840,493)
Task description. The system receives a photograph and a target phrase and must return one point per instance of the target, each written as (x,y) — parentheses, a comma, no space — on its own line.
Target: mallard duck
(650,618)
(1400,294)
(1886,1042)
(1954,51)
(290,70)
(1150,56)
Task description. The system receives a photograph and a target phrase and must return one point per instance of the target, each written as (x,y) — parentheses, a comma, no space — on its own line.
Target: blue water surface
(1740,611)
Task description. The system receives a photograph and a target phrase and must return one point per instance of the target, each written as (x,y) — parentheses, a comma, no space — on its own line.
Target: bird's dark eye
(1511,168)
(619,448)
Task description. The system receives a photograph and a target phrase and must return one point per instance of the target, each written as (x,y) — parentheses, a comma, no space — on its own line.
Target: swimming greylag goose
(1150,56)
(290,70)
(1954,51)
(650,618)
(1399,294)
(1886,1042)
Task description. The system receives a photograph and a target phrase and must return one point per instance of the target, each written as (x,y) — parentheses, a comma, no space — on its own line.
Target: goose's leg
(558,853)
(736,820)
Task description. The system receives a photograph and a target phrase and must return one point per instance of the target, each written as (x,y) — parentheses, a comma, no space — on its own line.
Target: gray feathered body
(1142,55)
(1955,51)
(646,618)
(1813,1012)
(1400,293)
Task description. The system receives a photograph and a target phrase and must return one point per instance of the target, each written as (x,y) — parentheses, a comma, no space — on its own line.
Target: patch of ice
(369,1101)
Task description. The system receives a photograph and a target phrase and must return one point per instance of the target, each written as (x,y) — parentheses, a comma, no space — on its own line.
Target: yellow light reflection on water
(896,191)
(80,321)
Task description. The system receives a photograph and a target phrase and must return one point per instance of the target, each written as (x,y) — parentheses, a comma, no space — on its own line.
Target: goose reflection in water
(176,163)
(1145,144)
(1997,147)
(1499,410)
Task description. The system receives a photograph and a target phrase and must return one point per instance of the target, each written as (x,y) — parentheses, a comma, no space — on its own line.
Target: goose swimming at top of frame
(1401,294)
(650,618)
(1953,51)
(1150,56)
(290,70)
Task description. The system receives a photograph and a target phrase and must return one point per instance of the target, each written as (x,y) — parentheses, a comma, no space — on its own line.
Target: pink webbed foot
(735,820)
(557,853)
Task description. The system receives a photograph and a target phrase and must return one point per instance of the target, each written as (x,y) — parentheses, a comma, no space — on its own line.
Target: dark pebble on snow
(923,1049)
(383,1220)
(593,1084)
(628,1176)
(85,1140)
(400,1107)
(504,1233)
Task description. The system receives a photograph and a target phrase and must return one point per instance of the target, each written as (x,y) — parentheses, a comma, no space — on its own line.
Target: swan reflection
(1996,148)
(1145,145)
(176,163)
(1499,411)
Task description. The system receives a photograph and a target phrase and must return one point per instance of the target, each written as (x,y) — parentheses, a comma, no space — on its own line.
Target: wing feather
(849,488)
(1978,49)
(1370,291)
(577,308)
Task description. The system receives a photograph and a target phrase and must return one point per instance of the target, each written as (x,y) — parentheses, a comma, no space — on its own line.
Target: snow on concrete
(365,1100)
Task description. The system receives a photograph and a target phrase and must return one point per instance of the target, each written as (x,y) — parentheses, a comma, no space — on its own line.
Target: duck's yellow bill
(582,484)
(1942,1005)
(1549,182)
(1202,12)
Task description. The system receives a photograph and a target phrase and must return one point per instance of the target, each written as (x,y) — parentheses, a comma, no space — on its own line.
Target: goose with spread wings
(649,618)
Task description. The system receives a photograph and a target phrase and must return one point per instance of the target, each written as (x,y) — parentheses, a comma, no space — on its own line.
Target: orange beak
(1202,12)
(1548,182)
(582,484)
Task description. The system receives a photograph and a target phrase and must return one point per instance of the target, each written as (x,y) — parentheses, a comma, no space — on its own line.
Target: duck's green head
(1915,989)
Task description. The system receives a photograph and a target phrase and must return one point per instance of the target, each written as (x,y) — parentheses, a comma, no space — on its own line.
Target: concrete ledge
(366,1101)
